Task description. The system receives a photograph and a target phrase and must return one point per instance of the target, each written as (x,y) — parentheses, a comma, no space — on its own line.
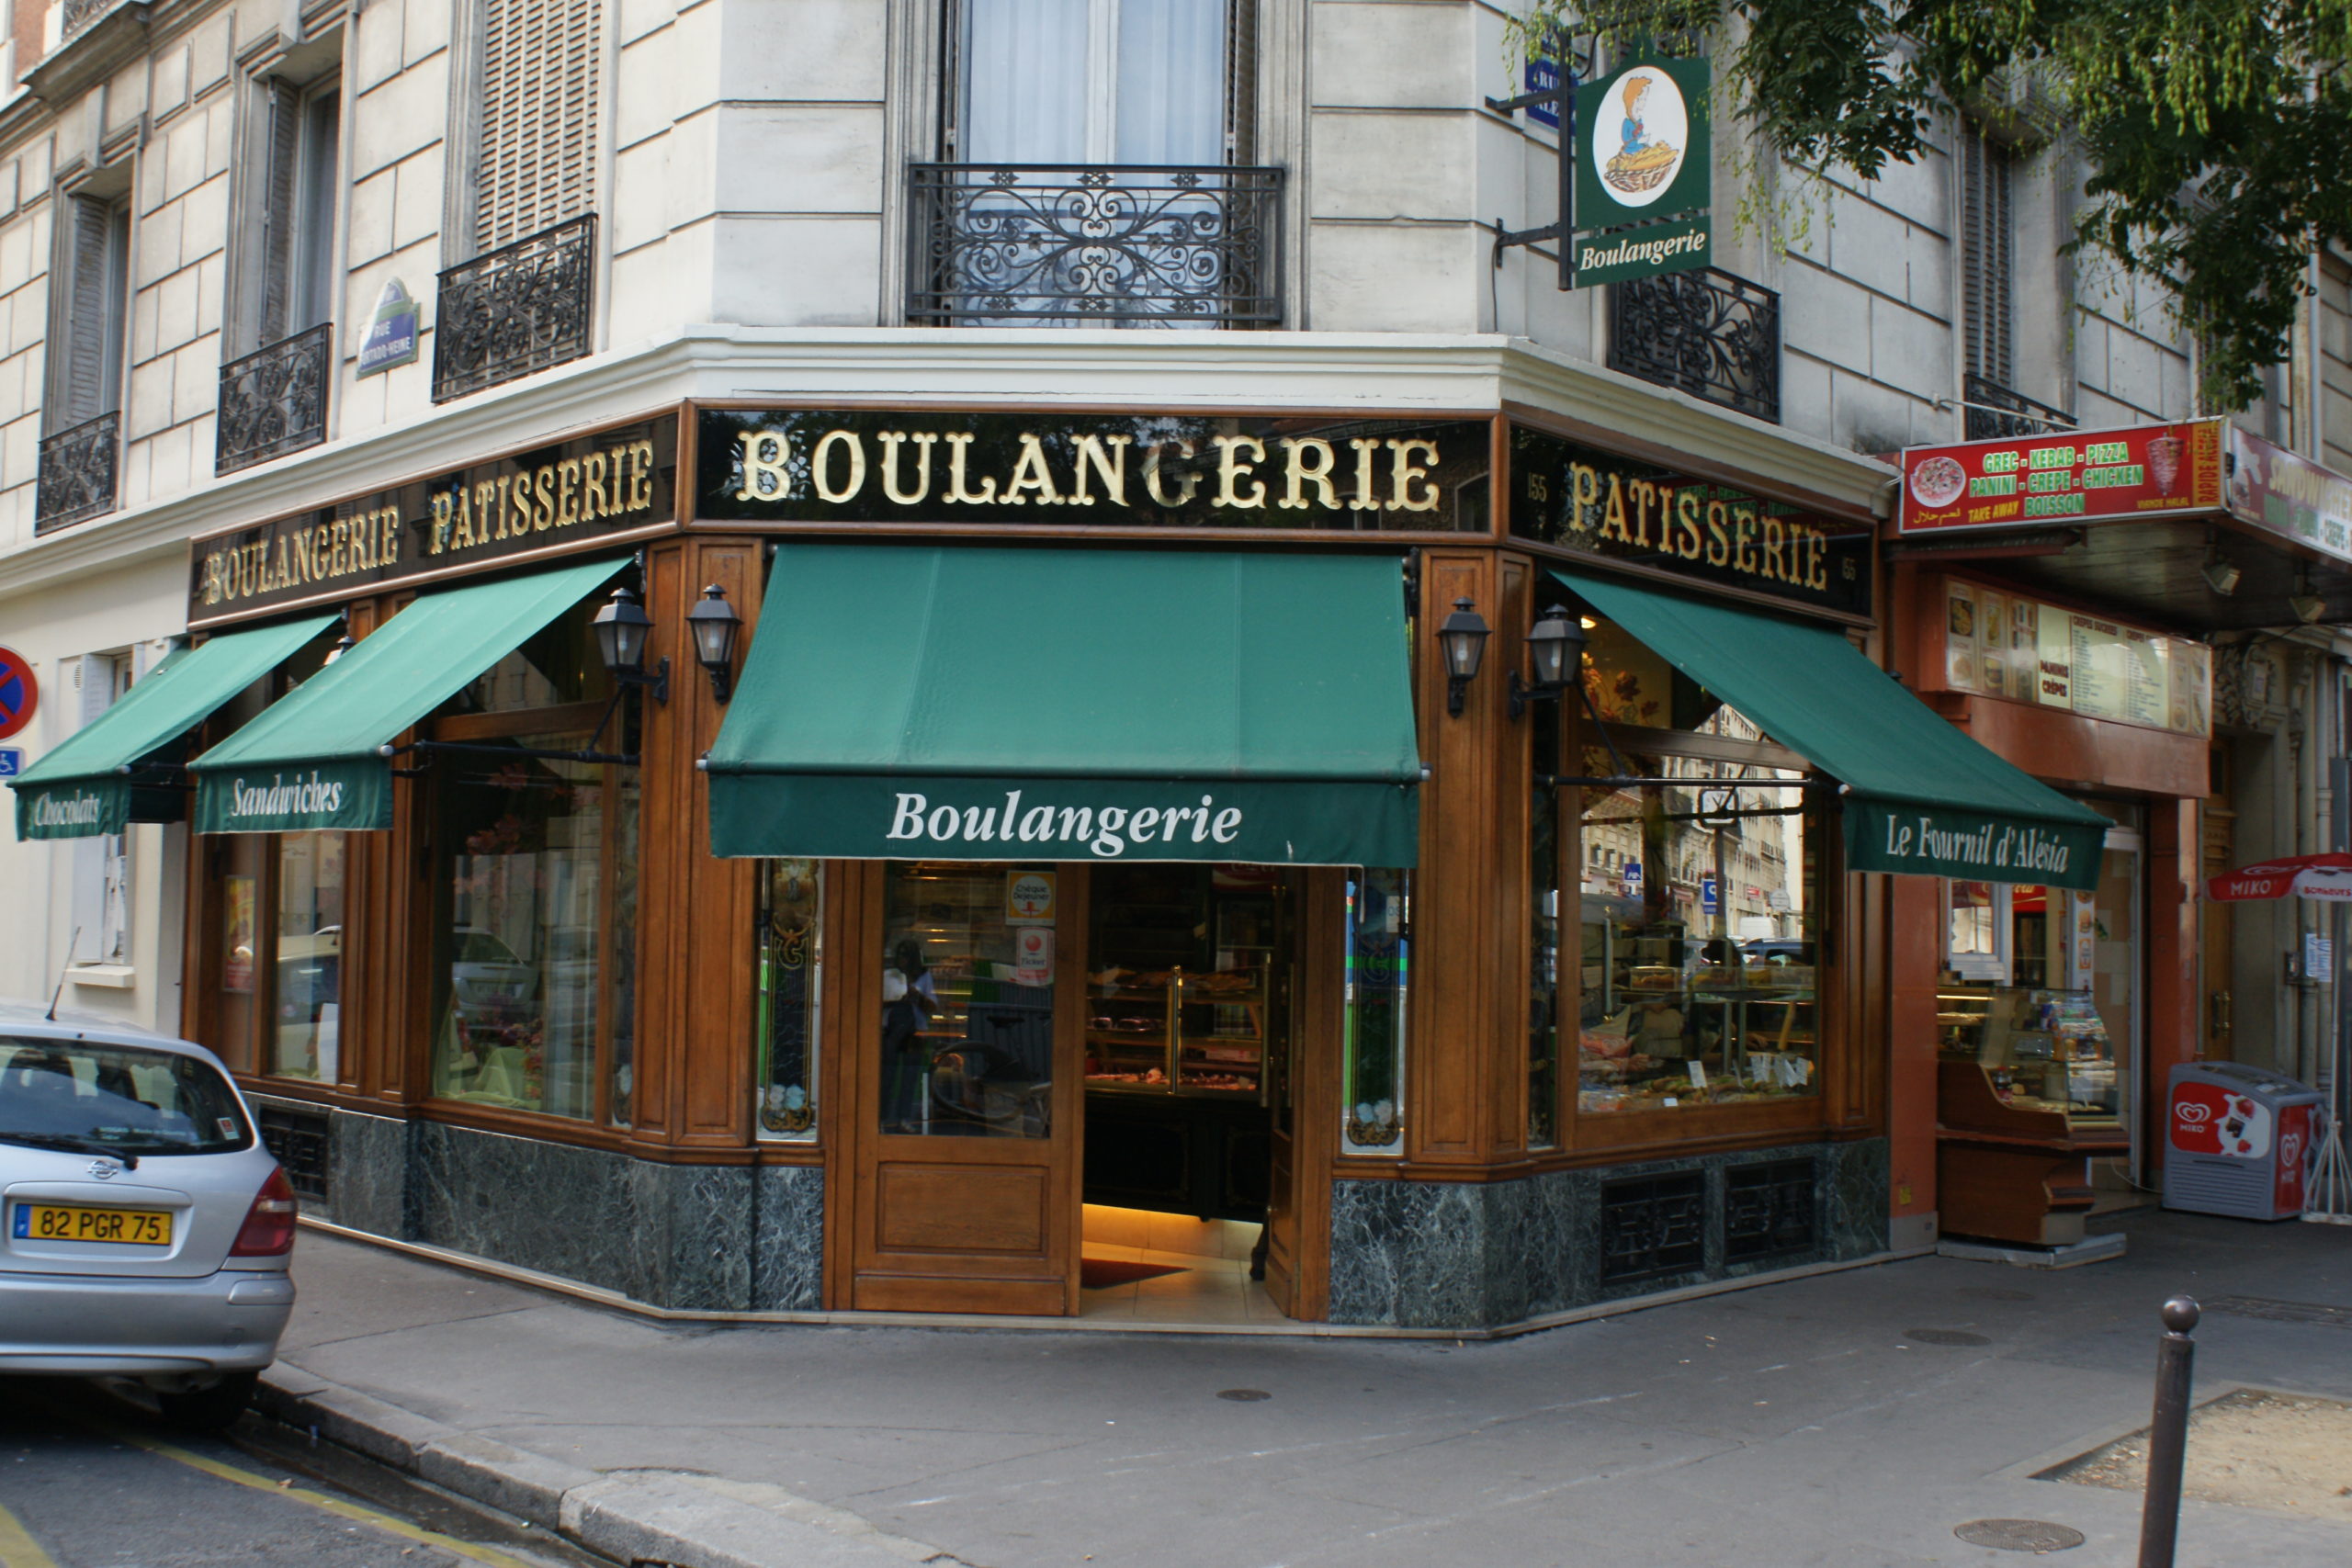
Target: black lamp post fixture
(622,627)
(1554,655)
(715,623)
(1463,634)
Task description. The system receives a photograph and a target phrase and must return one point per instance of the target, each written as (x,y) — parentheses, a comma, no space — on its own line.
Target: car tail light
(268,1230)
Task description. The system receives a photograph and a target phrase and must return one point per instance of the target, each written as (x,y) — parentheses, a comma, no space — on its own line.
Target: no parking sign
(20,692)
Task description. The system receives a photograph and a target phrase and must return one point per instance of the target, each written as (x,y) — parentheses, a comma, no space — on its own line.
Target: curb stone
(653,1516)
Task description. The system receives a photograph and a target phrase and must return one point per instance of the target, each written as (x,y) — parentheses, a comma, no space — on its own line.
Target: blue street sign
(1707,900)
(1543,76)
(12,761)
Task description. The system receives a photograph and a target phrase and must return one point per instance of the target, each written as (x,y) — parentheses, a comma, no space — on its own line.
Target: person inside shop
(910,1002)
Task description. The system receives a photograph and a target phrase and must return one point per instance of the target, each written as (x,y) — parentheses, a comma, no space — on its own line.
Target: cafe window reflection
(967,1004)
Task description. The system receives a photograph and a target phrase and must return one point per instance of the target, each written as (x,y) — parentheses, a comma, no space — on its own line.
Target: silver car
(144,1230)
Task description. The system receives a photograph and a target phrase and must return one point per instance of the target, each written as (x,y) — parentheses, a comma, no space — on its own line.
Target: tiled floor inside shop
(1214,1285)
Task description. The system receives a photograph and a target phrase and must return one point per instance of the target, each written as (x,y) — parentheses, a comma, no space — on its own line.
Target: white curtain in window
(1171,101)
(1026,81)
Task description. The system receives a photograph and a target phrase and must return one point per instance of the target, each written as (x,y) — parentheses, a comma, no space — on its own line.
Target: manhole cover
(2018,1535)
(1993,1293)
(1944,1337)
(1243,1395)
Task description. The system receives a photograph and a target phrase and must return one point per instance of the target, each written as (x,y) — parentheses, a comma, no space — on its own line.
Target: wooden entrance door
(964,1068)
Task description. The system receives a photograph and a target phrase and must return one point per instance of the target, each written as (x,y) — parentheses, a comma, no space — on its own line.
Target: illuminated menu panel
(2004,645)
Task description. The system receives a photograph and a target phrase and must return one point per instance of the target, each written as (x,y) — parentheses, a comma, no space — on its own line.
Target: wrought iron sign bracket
(1561,98)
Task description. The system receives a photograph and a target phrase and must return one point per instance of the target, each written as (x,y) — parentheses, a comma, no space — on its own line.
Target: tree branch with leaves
(2212,134)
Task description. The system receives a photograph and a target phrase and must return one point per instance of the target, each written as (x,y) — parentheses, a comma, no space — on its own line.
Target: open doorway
(1190,1010)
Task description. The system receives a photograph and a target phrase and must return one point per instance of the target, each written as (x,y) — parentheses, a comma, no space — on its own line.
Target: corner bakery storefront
(1026,841)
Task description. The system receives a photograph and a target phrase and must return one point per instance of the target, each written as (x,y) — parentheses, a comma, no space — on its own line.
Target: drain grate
(1944,1337)
(2018,1535)
(2281,1312)
(1243,1395)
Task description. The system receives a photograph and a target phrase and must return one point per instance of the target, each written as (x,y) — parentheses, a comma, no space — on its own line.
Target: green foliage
(2211,132)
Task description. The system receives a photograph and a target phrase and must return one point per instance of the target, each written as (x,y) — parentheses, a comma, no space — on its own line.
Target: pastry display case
(2026,1095)
(2039,1050)
(1180,999)
(1670,1022)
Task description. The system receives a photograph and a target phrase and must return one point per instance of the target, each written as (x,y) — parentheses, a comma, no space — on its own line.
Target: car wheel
(211,1408)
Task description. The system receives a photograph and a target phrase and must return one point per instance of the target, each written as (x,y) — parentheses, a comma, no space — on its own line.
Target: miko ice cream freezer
(2239,1140)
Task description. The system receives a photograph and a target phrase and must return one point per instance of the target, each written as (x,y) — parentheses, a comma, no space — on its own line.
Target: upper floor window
(1096,82)
(298,282)
(96,267)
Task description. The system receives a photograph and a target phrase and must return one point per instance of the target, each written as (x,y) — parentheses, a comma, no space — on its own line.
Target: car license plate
(59,1222)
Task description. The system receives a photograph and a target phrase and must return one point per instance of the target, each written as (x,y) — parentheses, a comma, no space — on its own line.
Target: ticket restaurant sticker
(2062,477)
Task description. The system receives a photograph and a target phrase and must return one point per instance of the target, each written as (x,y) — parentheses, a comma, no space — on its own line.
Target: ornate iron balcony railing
(1014,244)
(274,402)
(1703,332)
(516,310)
(77,473)
(1995,413)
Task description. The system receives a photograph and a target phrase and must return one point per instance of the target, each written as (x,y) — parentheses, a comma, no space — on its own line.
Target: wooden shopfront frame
(1465,1082)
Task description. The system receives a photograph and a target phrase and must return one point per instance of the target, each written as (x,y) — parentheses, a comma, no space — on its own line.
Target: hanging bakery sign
(1637,513)
(1091,469)
(575,494)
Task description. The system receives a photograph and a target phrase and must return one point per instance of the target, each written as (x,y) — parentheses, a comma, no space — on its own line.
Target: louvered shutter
(1986,258)
(1241,82)
(285,114)
(539,123)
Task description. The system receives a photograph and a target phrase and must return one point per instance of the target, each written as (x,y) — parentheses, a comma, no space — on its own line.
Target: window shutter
(285,116)
(1241,82)
(1986,258)
(539,123)
(87,383)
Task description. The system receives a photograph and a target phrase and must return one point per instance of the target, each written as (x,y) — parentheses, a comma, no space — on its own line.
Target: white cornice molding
(1404,372)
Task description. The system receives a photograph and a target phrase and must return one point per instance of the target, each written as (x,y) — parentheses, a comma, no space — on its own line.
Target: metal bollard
(2168,1435)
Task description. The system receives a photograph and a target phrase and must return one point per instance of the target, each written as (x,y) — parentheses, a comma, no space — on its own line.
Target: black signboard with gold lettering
(1622,509)
(1054,469)
(554,500)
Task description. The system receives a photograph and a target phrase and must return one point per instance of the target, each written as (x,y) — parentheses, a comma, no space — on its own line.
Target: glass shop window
(1379,940)
(1544,977)
(788,933)
(276,918)
(534,806)
(967,1001)
(1699,947)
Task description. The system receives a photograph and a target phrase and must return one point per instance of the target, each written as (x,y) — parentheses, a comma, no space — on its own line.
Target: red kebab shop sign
(2063,476)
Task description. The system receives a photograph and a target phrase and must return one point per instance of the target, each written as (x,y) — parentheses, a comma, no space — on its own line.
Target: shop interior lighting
(1462,637)
(622,627)
(1555,658)
(715,623)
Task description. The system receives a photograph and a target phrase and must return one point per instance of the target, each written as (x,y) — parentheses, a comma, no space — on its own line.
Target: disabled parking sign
(20,692)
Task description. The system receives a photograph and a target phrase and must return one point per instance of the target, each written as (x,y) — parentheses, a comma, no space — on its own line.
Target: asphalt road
(90,1480)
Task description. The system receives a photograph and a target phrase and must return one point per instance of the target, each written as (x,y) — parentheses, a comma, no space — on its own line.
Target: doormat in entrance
(1101,1273)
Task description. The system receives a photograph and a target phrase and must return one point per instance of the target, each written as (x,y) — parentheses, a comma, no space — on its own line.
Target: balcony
(1705,333)
(274,402)
(517,309)
(1995,413)
(1021,244)
(78,469)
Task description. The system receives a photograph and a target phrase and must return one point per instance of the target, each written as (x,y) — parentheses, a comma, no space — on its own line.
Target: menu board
(2003,645)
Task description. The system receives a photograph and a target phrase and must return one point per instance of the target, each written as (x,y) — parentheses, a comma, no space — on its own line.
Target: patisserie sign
(574,494)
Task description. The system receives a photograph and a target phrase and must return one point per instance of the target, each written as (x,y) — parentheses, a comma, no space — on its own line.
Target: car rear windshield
(122,1098)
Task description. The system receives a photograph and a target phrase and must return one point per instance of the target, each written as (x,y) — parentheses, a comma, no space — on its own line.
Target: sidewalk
(1793,1424)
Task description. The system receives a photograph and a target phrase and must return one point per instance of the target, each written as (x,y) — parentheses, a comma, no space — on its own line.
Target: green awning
(316,758)
(93,783)
(917,703)
(1921,796)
